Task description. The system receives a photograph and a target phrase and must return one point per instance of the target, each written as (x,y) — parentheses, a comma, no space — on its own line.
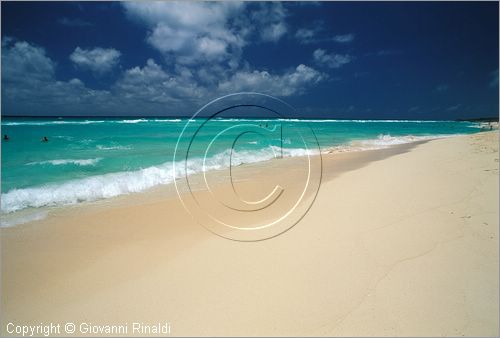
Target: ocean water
(90,159)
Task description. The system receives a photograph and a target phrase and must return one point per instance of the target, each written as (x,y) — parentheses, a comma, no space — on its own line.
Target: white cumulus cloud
(99,60)
(190,31)
(289,83)
(22,61)
(29,84)
(270,20)
(150,88)
(331,60)
(152,83)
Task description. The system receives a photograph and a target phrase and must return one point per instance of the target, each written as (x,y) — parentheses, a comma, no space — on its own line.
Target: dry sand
(402,241)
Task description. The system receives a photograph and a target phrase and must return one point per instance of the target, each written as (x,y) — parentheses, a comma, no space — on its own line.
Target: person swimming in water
(5,137)
(45,139)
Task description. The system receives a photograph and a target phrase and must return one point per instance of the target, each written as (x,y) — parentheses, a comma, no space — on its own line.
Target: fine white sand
(398,242)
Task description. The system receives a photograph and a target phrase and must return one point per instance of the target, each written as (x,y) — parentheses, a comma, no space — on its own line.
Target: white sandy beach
(399,242)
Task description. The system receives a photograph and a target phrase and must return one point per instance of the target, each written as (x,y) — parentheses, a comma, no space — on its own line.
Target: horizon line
(484,118)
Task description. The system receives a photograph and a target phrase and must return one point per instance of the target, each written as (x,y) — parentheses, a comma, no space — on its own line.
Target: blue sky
(386,60)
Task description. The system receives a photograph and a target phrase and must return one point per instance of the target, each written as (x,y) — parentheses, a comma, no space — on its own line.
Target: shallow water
(89,159)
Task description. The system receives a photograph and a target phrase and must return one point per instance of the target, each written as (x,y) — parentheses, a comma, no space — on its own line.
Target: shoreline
(40,177)
(31,214)
(334,164)
(404,241)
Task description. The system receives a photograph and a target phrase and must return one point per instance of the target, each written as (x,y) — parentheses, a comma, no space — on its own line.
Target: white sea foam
(360,121)
(133,121)
(391,121)
(77,122)
(129,121)
(114,184)
(388,140)
(24,216)
(101,147)
(383,141)
(484,125)
(80,162)
(167,120)
(142,120)
(43,123)
(148,120)
(324,120)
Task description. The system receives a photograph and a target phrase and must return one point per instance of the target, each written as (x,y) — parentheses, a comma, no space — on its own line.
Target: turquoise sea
(87,159)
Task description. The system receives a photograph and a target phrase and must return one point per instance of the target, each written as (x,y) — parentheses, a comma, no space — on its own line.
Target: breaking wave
(97,187)
(85,162)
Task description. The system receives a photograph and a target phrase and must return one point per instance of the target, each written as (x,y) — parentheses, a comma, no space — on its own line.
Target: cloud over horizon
(171,57)
(150,83)
(99,60)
